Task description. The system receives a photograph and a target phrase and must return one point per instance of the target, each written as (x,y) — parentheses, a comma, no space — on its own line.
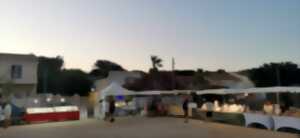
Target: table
(50,114)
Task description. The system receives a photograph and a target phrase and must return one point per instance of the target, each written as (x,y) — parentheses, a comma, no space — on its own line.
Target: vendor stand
(50,114)
(271,120)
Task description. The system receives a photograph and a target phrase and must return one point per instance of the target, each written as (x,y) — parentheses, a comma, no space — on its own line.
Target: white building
(18,74)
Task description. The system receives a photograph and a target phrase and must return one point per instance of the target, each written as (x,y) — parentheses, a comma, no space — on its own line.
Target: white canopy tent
(174,92)
(251,90)
(114,89)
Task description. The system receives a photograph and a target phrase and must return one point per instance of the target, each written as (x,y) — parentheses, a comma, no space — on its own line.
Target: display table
(265,120)
(223,117)
(286,122)
(50,114)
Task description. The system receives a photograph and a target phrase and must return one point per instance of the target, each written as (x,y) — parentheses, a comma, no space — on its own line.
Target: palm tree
(156,62)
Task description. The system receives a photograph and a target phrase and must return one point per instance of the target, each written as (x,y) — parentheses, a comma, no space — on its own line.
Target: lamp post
(279,84)
(173,74)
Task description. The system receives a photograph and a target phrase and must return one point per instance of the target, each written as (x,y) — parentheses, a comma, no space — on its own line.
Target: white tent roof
(157,92)
(251,90)
(149,93)
(115,89)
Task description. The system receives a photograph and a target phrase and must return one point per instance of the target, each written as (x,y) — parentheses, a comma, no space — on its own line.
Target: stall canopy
(115,89)
(251,90)
(164,92)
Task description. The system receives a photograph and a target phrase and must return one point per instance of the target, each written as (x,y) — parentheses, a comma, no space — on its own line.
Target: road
(137,127)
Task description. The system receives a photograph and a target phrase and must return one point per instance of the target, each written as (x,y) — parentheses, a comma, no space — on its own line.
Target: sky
(208,34)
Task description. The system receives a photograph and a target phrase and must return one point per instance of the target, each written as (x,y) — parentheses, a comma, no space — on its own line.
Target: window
(16,71)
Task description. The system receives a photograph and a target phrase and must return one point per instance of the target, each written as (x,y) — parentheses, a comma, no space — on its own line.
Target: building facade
(18,74)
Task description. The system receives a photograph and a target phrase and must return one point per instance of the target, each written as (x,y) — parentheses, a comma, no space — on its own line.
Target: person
(112,108)
(210,108)
(268,108)
(7,115)
(1,115)
(104,108)
(1,111)
(186,109)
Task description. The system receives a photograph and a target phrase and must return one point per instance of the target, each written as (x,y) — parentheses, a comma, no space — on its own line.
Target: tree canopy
(275,74)
(49,70)
(52,78)
(103,67)
(74,81)
(156,63)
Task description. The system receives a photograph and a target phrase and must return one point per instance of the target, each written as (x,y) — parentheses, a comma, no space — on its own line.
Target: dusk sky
(208,34)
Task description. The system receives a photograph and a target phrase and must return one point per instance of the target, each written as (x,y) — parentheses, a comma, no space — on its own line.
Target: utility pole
(173,64)
(173,72)
(278,84)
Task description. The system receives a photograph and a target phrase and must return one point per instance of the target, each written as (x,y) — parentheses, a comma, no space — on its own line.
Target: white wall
(29,65)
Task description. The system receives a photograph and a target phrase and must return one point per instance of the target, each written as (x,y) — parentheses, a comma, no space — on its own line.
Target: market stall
(123,102)
(50,114)
(271,116)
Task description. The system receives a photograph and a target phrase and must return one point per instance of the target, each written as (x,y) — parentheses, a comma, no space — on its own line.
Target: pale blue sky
(209,34)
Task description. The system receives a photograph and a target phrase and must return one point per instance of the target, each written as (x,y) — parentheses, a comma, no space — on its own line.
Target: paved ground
(137,128)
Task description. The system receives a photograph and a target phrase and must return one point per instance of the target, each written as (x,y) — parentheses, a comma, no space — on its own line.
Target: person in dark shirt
(186,109)
(112,109)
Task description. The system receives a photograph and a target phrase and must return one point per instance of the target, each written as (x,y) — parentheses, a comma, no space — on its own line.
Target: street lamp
(48,100)
(36,101)
(62,100)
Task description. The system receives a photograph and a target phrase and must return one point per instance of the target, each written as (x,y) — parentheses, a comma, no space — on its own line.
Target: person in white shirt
(7,115)
(1,114)
(104,108)
(210,109)
(268,108)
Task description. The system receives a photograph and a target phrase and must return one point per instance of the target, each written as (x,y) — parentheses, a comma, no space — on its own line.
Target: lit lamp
(48,100)
(36,101)
(62,100)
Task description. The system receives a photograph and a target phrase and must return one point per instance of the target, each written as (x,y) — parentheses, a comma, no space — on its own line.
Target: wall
(27,83)
(29,68)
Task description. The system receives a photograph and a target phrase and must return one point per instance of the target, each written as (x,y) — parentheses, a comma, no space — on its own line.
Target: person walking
(1,111)
(2,118)
(104,109)
(186,109)
(112,108)
(7,115)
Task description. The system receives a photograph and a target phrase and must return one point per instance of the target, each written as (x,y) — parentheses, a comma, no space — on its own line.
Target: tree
(221,71)
(6,87)
(199,81)
(156,63)
(75,81)
(274,74)
(49,70)
(103,67)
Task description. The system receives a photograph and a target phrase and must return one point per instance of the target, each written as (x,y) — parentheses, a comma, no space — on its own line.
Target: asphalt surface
(137,127)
